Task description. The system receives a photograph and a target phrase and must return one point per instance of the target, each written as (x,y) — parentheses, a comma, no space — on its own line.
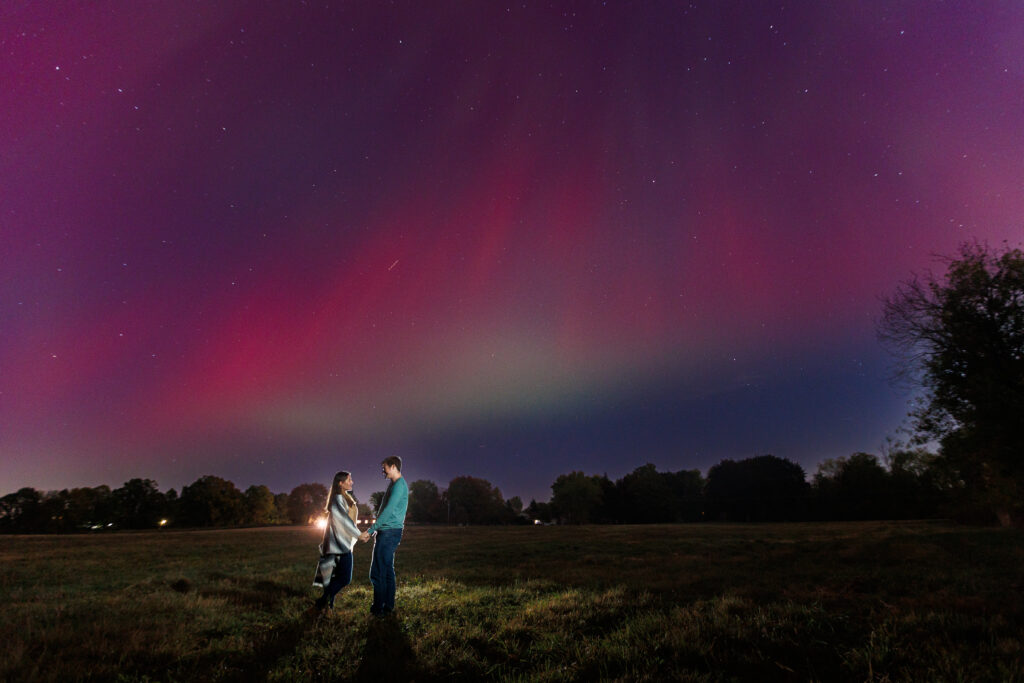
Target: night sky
(508,241)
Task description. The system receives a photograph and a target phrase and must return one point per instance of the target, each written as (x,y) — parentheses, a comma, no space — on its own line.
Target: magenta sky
(501,240)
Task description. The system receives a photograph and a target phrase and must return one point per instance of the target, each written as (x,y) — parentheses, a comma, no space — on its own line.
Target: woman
(334,570)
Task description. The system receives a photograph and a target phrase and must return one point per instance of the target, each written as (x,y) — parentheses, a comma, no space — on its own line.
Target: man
(388,534)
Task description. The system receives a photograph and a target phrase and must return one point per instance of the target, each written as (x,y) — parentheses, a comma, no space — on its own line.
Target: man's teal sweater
(396,501)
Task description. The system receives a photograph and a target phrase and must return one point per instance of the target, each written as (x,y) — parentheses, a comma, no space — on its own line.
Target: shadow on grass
(264,595)
(267,649)
(388,654)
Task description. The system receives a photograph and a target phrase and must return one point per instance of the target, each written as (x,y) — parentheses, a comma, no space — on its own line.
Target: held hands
(364,537)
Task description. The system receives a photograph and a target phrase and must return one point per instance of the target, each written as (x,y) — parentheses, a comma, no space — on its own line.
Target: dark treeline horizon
(908,485)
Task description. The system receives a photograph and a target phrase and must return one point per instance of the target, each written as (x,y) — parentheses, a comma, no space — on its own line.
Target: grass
(833,602)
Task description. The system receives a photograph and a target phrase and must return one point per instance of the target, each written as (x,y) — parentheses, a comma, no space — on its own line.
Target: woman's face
(346,483)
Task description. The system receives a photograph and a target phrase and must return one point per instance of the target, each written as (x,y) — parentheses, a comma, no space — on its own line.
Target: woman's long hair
(338,478)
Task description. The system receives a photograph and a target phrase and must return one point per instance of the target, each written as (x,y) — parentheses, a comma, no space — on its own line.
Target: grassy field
(830,602)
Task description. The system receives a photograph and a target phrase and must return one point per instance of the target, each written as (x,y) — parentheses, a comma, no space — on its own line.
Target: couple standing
(334,570)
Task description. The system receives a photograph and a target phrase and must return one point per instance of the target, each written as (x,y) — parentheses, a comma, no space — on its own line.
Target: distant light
(110,524)
(537,521)
(163,522)
(321,523)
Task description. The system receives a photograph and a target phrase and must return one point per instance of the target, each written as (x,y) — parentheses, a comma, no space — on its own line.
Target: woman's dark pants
(341,577)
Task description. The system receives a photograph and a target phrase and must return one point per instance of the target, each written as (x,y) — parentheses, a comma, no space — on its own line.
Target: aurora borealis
(502,240)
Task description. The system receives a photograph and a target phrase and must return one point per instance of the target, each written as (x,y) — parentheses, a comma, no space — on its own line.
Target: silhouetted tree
(306,503)
(424,502)
(961,338)
(613,508)
(857,487)
(918,487)
(539,511)
(281,506)
(22,512)
(576,498)
(260,507)
(762,488)
(472,500)
(138,504)
(211,501)
(514,505)
(652,497)
(52,513)
(65,511)
(171,505)
(688,486)
(85,508)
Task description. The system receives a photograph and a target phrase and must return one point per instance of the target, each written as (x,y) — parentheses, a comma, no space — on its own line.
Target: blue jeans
(341,577)
(382,570)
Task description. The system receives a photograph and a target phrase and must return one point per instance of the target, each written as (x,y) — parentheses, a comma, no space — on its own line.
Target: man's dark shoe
(321,604)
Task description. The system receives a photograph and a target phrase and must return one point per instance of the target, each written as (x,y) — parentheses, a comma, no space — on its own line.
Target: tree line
(762,488)
(211,501)
(207,502)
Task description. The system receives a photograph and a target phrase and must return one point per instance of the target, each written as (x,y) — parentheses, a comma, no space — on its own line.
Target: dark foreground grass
(829,602)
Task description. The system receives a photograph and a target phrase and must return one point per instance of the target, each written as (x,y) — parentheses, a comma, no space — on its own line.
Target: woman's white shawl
(340,535)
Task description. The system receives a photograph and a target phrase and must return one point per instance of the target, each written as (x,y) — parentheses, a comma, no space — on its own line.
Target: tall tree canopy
(211,501)
(961,338)
(425,502)
(762,488)
(260,505)
(138,504)
(474,501)
(306,502)
(648,496)
(576,498)
(857,487)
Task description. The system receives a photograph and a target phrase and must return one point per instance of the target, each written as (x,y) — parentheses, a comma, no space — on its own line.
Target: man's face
(385,470)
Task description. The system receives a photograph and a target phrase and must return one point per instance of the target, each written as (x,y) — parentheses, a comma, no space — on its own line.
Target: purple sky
(508,241)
